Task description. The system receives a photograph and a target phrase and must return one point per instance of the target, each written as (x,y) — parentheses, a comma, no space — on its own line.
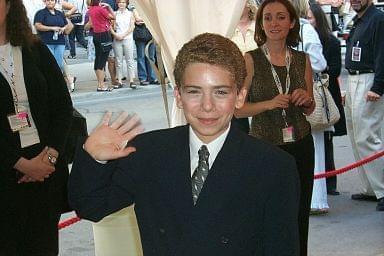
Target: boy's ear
(177,94)
(241,95)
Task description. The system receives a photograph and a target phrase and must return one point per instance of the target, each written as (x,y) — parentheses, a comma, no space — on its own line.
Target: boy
(201,189)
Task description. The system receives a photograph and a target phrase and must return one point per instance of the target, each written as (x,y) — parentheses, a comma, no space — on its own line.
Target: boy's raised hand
(108,141)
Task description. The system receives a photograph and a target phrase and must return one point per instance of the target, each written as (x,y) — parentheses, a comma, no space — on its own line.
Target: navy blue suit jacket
(248,204)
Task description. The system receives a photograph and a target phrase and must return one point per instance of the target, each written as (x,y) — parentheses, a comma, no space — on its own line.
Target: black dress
(332,53)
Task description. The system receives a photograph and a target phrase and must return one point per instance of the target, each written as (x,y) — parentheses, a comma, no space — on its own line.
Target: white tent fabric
(172,23)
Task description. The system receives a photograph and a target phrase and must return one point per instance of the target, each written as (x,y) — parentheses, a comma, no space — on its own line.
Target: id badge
(356,53)
(288,134)
(19,121)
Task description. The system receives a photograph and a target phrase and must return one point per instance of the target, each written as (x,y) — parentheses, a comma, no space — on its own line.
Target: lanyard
(8,66)
(276,77)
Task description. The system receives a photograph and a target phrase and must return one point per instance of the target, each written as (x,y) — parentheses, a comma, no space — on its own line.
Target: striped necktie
(201,172)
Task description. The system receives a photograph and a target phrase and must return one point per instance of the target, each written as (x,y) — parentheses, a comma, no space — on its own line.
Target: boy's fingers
(106,118)
(119,120)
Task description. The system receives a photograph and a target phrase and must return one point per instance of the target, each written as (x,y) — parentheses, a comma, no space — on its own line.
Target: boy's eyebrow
(214,86)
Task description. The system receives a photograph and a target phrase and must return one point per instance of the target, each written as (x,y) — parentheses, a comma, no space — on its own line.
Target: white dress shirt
(214,148)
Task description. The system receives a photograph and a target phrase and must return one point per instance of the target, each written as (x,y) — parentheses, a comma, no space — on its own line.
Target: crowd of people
(217,189)
(115,31)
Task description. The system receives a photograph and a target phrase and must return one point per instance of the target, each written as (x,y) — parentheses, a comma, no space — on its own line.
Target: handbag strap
(324,97)
(302,38)
(326,107)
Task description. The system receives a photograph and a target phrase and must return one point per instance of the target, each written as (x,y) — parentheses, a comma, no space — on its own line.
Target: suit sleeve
(281,236)
(97,190)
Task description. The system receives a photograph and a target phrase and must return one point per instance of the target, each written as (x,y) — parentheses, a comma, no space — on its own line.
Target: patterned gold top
(269,124)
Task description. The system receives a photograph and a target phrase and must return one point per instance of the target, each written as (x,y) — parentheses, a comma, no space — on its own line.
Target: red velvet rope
(349,167)
(70,221)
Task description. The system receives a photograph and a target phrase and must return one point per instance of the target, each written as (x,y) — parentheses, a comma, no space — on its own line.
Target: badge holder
(19,121)
(288,131)
(356,52)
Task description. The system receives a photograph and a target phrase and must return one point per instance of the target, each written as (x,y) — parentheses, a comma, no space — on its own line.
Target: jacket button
(162,231)
(224,240)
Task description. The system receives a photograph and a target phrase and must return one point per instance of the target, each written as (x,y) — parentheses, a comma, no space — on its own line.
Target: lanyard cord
(9,70)
(276,77)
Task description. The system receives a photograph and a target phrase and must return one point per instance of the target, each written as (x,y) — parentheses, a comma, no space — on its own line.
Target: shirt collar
(214,146)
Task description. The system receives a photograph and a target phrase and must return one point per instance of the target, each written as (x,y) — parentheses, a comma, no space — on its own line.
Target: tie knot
(203,153)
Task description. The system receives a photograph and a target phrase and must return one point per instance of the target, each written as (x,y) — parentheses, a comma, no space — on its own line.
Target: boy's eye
(221,92)
(192,91)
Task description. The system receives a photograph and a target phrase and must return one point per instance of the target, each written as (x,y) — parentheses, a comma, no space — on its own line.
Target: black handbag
(78,130)
(141,33)
(77,17)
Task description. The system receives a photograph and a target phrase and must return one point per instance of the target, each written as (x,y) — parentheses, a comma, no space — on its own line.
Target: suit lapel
(178,180)
(222,179)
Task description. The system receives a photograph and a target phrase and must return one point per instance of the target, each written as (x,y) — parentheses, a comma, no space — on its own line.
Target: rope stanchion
(68,222)
(349,167)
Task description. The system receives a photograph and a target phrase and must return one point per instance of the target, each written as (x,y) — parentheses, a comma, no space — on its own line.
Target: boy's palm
(108,142)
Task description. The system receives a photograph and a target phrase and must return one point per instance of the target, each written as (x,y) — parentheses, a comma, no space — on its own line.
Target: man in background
(364,102)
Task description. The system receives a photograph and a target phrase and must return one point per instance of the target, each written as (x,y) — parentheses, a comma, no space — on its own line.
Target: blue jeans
(144,69)
(57,51)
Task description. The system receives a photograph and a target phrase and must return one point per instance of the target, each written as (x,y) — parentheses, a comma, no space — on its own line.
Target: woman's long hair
(322,26)
(19,32)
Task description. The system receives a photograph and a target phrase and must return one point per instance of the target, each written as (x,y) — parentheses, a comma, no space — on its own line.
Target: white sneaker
(72,85)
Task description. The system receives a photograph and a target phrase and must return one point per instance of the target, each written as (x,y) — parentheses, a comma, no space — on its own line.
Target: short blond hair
(211,49)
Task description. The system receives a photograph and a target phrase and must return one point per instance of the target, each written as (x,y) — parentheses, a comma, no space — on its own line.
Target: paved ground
(351,228)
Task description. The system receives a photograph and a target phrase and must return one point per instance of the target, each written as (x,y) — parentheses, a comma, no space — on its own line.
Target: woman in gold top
(279,84)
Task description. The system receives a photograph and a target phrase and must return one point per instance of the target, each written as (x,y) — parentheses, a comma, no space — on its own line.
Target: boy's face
(208,97)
